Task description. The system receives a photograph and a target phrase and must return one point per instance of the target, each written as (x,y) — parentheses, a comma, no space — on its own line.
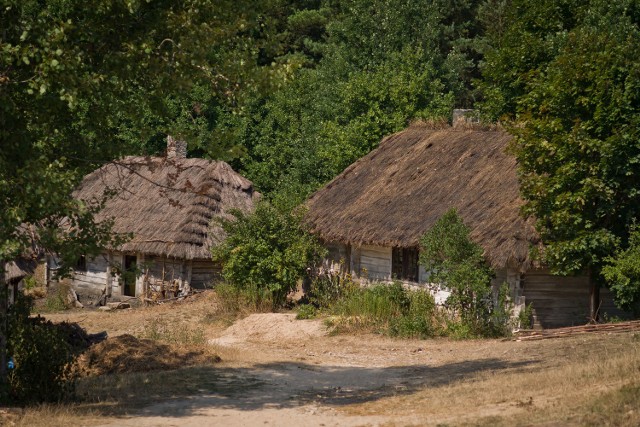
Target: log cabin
(373,214)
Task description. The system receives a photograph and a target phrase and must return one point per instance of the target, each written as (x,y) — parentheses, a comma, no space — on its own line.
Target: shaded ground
(279,371)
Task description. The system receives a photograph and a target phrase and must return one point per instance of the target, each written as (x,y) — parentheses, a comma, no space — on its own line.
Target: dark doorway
(129,275)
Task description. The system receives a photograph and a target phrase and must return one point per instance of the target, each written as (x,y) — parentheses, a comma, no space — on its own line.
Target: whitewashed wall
(94,280)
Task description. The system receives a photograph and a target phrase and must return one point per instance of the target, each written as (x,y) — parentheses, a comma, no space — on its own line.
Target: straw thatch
(168,204)
(398,191)
(19,269)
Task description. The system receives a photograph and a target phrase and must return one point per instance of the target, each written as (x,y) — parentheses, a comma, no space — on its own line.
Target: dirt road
(279,371)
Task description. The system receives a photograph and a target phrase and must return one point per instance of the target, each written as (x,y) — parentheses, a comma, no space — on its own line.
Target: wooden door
(129,275)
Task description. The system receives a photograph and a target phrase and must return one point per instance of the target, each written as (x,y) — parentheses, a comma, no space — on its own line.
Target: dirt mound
(126,353)
(270,327)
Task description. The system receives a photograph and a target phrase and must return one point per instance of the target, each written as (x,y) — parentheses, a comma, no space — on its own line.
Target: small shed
(373,214)
(168,205)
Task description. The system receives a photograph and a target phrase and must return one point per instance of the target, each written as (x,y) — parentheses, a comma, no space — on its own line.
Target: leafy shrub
(390,309)
(44,361)
(622,274)
(457,263)
(328,289)
(306,311)
(233,299)
(267,251)
(525,317)
(420,320)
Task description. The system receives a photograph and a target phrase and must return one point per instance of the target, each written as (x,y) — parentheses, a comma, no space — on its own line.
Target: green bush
(44,361)
(267,252)
(420,320)
(622,274)
(457,263)
(306,311)
(390,309)
(327,289)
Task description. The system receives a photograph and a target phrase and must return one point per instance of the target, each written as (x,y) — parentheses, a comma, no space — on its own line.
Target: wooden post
(3,324)
(594,299)
(109,277)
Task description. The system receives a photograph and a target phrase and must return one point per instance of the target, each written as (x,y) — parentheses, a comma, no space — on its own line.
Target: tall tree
(383,64)
(70,73)
(577,138)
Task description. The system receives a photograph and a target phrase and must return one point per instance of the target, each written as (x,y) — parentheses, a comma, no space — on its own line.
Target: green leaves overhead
(384,63)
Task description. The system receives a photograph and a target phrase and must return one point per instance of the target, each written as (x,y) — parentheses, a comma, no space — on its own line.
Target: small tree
(266,252)
(622,273)
(458,264)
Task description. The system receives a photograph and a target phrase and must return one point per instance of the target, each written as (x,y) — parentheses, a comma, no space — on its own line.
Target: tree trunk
(594,300)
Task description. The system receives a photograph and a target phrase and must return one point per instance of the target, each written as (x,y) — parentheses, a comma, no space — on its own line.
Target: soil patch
(265,327)
(126,353)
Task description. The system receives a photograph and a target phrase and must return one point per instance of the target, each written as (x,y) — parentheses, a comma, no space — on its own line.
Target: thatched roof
(394,194)
(20,268)
(168,204)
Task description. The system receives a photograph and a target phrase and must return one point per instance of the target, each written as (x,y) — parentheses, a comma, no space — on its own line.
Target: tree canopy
(574,99)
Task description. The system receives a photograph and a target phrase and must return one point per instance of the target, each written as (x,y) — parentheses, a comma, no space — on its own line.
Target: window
(81,263)
(404,264)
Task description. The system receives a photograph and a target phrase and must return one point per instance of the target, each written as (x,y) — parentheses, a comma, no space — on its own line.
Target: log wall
(563,301)
(375,263)
(205,273)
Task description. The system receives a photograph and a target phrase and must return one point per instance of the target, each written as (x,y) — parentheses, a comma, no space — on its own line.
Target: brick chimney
(176,149)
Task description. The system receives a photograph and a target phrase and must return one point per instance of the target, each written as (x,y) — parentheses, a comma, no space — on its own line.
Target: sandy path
(289,373)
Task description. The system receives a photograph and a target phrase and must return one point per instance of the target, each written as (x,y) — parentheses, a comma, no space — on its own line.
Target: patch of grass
(169,332)
(306,311)
(56,301)
(233,300)
(389,309)
(620,407)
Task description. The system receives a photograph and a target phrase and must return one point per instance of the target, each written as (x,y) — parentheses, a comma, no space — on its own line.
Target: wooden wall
(205,273)
(375,263)
(94,280)
(338,259)
(563,301)
(198,273)
(556,300)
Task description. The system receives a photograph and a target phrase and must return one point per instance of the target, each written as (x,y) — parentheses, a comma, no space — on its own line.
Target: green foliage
(622,273)
(457,263)
(520,38)
(420,320)
(384,63)
(525,317)
(568,73)
(328,289)
(266,251)
(390,309)
(306,311)
(43,359)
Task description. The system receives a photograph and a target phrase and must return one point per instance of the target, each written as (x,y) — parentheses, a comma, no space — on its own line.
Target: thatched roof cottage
(373,214)
(168,205)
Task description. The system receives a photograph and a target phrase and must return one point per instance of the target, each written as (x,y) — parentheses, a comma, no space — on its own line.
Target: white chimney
(176,149)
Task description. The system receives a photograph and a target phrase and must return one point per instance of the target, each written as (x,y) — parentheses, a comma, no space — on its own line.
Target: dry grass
(587,381)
